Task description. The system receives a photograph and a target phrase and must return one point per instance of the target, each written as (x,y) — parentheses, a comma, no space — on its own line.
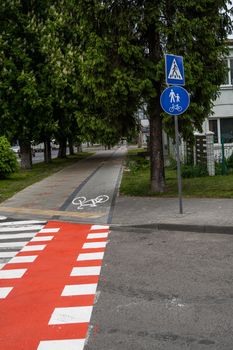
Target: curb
(174,227)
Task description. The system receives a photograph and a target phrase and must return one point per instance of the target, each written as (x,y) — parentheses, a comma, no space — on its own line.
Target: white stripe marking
(16,223)
(79,289)
(22,228)
(13,244)
(1,266)
(7,254)
(17,235)
(94,245)
(16,273)
(86,271)
(99,227)
(42,238)
(67,315)
(4,291)
(49,230)
(91,256)
(31,248)
(23,259)
(97,235)
(67,344)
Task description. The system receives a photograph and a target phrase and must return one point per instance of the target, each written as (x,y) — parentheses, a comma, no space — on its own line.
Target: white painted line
(79,289)
(16,223)
(67,315)
(99,227)
(13,244)
(94,245)
(31,248)
(42,238)
(17,235)
(4,291)
(91,256)
(16,273)
(3,217)
(7,254)
(67,344)
(23,259)
(2,265)
(97,235)
(21,228)
(86,271)
(49,230)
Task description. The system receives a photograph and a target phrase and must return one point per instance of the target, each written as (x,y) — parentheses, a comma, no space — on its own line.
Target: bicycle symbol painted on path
(82,202)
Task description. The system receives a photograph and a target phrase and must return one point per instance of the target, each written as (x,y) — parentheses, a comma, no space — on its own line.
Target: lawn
(136,182)
(24,178)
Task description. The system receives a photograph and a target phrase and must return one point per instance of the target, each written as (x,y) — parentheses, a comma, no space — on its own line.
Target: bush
(230,162)
(137,163)
(8,160)
(189,171)
(218,168)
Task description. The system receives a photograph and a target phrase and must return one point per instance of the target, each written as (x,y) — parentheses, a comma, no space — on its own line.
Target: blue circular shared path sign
(175,100)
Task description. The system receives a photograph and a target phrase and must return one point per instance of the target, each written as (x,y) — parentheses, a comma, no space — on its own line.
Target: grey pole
(178,165)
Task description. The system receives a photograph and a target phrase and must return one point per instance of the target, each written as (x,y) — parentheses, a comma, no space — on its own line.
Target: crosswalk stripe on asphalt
(14,235)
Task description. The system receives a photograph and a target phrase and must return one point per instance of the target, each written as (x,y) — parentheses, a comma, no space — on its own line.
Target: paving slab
(199,214)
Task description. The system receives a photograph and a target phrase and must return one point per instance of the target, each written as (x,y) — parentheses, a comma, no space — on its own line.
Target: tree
(123,61)
(23,98)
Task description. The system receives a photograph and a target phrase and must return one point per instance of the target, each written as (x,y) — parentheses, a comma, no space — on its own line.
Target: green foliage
(218,168)
(137,163)
(172,163)
(229,162)
(190,171)
(8,160)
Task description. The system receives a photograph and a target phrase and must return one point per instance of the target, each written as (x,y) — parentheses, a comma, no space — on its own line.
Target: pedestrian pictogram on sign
(174,70)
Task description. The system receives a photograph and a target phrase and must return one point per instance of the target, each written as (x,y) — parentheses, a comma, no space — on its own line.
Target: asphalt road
(164,291)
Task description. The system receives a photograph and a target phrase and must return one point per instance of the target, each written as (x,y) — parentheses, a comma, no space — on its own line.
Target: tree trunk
(71,146)
(154,110)
(62,148)
(47,151)
(25,154)
(156,146)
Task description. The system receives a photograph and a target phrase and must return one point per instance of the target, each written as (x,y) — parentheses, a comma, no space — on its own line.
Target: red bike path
(48,289)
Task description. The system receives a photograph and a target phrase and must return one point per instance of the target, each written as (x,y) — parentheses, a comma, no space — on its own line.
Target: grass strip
(137,183)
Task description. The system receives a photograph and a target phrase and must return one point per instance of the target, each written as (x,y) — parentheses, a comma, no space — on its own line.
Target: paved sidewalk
(202,215)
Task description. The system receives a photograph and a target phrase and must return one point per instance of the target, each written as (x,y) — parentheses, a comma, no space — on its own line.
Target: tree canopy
(83,68)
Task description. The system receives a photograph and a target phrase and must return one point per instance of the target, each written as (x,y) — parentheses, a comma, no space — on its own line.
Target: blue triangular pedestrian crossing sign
(174,69)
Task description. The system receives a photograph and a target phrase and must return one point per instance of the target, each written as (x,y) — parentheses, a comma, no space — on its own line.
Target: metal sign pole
(178,165)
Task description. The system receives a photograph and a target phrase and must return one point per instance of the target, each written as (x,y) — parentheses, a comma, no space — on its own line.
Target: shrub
(8,160)
(218,168)
(137,163)
(230,162)
(189,171)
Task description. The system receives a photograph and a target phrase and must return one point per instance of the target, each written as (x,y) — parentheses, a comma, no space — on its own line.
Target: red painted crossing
(46,304)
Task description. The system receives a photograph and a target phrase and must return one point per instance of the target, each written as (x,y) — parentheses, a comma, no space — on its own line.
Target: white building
(221,122)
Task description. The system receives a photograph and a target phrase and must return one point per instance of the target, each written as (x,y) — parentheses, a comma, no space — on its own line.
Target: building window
(227,129)
(213,126)
(229,75)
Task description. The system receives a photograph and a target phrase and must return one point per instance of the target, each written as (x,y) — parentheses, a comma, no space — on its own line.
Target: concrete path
(89,179)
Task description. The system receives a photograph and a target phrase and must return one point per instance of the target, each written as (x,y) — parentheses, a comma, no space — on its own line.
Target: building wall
(221,122)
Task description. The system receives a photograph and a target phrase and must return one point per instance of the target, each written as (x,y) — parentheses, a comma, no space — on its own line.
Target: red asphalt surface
(25,312)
